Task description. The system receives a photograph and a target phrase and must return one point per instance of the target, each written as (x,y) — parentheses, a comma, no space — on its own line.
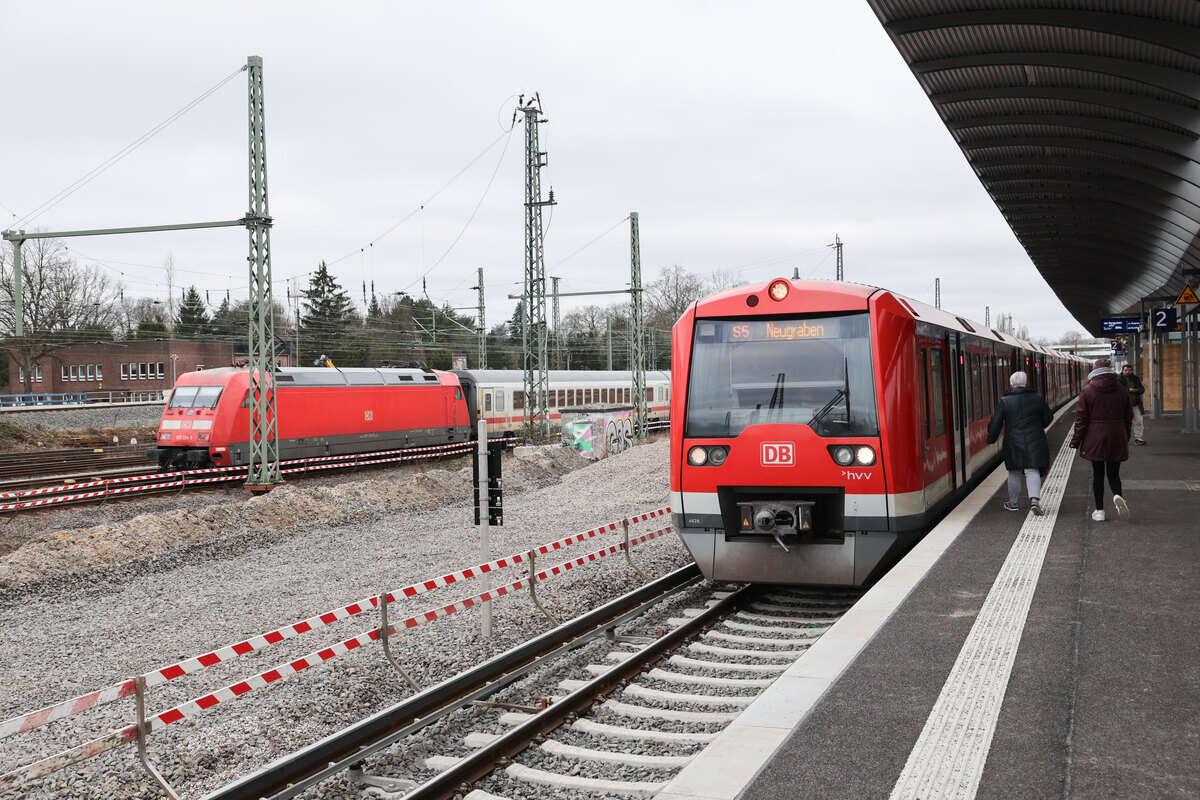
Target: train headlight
(165,436)
(697,456)
(778,290)
(843,455)
(716,455)
(865,456)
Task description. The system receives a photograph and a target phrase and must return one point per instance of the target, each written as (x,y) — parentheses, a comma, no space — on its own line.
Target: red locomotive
(321,412)
(819,428)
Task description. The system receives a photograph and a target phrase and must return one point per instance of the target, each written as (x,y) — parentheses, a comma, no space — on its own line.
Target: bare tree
(672,294)
(1072,338)
(64,303)
(721,279)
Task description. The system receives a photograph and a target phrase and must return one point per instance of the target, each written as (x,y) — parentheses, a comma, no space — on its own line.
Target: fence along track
(137,686)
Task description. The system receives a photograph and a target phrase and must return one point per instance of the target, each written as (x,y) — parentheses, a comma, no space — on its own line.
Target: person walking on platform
(1103,421)
(1136,389)
(1023,415)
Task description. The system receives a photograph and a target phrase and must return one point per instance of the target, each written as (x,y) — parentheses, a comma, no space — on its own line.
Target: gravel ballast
(130,598)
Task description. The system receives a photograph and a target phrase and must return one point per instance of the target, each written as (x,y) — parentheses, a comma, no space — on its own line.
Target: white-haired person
(1022,414)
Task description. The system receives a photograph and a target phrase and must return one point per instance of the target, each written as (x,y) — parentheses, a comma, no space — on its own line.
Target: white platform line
(948,759)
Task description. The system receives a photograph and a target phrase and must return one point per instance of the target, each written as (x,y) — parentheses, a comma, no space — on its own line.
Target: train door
(958,412)
(939,452)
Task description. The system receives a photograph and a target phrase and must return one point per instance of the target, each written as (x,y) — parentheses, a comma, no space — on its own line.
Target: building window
(20,374)
(144,370)
(91,372)
(99,373)
(124,371)
(64,372)
(38,373)
(74,373)
(199,368)
(160,369)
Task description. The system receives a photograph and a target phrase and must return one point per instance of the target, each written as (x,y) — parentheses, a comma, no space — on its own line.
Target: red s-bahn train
(819,428)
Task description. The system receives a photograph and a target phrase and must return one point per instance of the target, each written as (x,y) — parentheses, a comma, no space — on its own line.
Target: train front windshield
(809,371)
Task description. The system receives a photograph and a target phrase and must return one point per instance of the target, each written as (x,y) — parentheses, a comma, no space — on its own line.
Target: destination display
(735,331)
(1120,324)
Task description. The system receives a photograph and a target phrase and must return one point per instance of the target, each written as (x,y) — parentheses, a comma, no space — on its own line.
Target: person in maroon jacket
(1103,420)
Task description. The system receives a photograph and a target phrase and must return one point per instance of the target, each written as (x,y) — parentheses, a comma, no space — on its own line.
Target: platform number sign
(778,454)
(1164,318)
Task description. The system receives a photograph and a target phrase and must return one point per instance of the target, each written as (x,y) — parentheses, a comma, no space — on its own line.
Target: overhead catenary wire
(104,165)
(504,137)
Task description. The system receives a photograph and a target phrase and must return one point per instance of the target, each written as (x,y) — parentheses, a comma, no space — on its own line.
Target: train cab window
(937,394)
(814,371)
(499,401)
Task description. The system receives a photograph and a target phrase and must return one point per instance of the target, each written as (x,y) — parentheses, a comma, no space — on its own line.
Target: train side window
(487,401)
(649,393)
(977,385)
(518,400)
(925,388)
(499,401)
(936,394)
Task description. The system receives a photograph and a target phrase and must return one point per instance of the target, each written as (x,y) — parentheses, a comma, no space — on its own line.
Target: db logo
(778,454)
(368,416)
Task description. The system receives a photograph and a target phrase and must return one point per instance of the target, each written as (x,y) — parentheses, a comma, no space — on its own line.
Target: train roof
(330,376)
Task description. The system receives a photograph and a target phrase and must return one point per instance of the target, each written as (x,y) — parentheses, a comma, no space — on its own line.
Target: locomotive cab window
(196,397)
(812,371)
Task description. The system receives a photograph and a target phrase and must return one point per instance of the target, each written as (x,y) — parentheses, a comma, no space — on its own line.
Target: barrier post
(142,728)
(628,558)
(533,588)
(385,637)
(485,549)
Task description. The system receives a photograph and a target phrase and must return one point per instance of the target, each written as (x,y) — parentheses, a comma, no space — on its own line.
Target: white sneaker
(1122,506)
(1098,515)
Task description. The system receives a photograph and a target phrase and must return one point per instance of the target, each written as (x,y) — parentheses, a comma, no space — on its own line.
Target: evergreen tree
(150,329)
(192,321)
(327,321)
(224,324)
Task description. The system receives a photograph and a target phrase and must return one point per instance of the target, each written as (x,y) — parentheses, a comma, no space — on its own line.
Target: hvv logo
(778,454)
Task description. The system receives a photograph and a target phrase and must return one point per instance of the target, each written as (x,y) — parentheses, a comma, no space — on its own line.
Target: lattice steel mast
(482,363)
(533,328)
(637,343)
(264,430)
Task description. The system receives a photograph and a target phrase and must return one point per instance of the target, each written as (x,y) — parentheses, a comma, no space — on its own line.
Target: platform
(1075,675)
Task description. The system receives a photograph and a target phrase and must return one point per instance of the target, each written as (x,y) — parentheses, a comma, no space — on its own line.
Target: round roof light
(778,290)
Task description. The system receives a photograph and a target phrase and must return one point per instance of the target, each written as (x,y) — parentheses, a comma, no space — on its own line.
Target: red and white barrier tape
(70,492)
(161,675)
(122,736)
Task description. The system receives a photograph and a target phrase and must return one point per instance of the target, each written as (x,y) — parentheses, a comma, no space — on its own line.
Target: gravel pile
(85,417)
(179,530)
(72,627)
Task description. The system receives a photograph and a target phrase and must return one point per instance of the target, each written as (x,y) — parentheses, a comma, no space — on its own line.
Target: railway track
(533,722)
(28,468)
(97,485)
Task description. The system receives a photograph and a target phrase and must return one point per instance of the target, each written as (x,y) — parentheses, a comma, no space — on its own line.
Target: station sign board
(1164,318)
(1120,324)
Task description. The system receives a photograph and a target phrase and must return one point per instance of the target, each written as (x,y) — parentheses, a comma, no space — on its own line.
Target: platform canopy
(1082,120)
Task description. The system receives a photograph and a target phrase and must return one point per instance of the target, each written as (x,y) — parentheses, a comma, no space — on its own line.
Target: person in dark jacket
(1103,420)
(1023,415)
(1133,383)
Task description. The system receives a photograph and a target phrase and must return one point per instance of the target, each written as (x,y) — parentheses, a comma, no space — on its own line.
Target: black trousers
(1099,468)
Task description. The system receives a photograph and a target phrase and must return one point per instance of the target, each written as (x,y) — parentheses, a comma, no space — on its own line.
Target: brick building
(143,365)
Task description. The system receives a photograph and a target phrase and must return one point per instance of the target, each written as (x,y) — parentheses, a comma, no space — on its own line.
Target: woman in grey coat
(1023,415)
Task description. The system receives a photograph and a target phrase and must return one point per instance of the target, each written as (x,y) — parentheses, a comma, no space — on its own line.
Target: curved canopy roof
(1082,120)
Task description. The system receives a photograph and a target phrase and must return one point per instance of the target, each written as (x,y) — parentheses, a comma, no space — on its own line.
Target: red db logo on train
(778,454)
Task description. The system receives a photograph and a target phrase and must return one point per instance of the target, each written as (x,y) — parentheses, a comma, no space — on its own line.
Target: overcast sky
(745,136)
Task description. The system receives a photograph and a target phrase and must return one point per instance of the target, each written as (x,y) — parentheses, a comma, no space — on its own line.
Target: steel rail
(482,762)
(296,771)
